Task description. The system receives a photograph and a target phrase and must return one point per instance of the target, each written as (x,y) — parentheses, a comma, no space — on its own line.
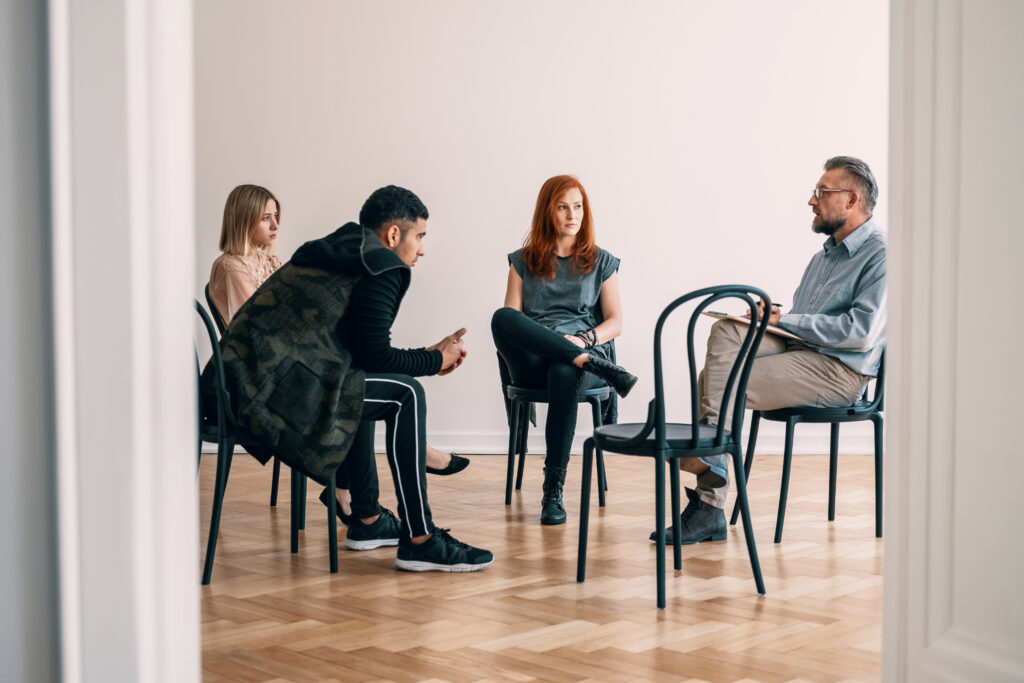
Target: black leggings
(539,358)
(399,401)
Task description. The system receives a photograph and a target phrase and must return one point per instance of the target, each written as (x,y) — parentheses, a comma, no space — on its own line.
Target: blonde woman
(248,235)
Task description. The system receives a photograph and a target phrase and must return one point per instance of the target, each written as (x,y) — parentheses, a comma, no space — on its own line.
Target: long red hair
(539,247)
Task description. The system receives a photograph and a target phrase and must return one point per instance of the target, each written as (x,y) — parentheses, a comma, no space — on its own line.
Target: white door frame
(122,188)
(939,50)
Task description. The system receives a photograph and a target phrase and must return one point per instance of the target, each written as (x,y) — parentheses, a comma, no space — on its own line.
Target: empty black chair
(522,399)
(277,463)
(667,442)
(864,409)
(223,430)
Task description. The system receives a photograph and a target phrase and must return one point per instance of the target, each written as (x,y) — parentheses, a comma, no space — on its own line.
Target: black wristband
(588,337)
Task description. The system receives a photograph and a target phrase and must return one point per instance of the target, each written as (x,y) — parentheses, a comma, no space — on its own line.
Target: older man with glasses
(838,312)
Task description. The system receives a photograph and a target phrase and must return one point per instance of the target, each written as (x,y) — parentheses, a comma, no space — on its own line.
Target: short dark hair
(390,205)
(861,173)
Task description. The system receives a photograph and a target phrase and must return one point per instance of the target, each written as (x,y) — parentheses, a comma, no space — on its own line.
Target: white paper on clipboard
(772,329)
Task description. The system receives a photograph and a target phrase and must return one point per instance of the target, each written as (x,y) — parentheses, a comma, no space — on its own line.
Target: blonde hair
(242,211)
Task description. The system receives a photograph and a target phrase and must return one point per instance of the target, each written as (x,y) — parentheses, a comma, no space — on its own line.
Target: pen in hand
(776,308)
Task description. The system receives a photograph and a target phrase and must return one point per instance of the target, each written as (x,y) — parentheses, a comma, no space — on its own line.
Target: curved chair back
(213,310)
(736,385)
(225,417)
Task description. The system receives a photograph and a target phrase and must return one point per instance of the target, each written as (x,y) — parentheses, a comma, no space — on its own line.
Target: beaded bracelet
(588,337)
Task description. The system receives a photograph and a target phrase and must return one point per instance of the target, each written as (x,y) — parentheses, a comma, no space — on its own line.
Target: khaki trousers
(781,377)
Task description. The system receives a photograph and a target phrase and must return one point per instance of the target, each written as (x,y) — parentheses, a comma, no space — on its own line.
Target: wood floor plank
(271,615)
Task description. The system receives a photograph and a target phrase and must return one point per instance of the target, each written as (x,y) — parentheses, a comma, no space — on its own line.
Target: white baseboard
(854,439)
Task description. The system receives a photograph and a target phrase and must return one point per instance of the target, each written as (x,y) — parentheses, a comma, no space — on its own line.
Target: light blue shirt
(840,306)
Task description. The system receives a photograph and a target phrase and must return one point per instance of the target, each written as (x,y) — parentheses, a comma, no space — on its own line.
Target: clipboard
(772,329)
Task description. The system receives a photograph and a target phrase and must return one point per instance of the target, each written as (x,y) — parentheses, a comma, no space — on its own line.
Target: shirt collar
(855,239)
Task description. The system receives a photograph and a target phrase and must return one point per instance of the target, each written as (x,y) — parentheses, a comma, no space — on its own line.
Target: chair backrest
(213,309)
(878,401)
(736,385)
(225,416)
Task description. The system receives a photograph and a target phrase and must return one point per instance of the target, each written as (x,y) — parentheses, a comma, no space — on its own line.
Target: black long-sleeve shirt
(365,329)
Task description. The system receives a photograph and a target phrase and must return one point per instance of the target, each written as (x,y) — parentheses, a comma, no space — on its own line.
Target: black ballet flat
(345,519)
(456,464)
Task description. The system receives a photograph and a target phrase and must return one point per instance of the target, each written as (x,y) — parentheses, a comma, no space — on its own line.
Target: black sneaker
(699,522)
(381,533)
(441,553)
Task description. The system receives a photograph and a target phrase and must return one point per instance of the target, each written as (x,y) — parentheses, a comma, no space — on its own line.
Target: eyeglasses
(819,191)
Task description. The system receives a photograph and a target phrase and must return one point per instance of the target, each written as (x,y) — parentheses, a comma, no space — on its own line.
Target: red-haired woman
(562,309)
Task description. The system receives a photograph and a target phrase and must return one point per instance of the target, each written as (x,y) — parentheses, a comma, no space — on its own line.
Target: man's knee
(401,388)
(413,389)
(726,330)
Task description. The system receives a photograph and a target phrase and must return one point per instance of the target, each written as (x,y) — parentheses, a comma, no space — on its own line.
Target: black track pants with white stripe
(399,401)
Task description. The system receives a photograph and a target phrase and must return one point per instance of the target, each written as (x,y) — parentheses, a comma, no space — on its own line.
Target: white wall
(697,128)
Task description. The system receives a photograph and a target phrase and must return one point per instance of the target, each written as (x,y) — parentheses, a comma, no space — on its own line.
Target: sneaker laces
(389,517)
(384,517)
(444,535)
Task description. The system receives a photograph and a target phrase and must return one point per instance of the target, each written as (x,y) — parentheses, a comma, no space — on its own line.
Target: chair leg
(677,547)
(581,548)
(787,461)
(274,482)
(833,469)
(302,502)
(878,420)
(524,429)
(659,516)
(755,422)
(748,529)
(602,476)
(513,439)
(224,450)
(296,486)
(332,522)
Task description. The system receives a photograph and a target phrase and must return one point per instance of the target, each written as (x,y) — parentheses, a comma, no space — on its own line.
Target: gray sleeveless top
(570,303)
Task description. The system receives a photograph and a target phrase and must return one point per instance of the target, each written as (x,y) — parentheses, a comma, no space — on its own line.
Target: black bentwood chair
(667,442)
(277,463)
(222,429)
(522,399)
(864,409)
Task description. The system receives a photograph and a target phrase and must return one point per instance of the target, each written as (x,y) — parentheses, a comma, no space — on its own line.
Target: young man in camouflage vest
(310,366)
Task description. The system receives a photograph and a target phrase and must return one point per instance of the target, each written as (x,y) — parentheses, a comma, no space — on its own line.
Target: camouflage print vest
(291,381)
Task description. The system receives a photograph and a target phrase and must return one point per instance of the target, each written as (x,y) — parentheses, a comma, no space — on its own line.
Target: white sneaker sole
(370,544)
(417,566)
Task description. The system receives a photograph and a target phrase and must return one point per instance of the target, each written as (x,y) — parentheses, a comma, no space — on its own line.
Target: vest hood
(349,249)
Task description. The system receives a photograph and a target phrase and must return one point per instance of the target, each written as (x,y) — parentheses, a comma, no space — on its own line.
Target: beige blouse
(233,279)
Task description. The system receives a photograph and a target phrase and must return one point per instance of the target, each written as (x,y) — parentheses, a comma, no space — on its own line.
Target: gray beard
(828,227)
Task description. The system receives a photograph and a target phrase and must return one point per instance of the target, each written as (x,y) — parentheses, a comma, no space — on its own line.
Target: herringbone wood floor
(273,616)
